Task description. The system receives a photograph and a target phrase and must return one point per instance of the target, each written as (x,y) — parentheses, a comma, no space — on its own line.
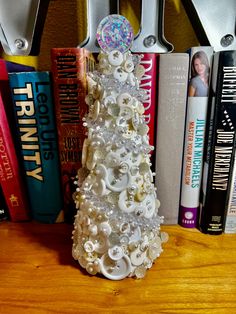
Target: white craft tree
(117,227)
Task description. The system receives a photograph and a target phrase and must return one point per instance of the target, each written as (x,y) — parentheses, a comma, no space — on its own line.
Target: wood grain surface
(196,273)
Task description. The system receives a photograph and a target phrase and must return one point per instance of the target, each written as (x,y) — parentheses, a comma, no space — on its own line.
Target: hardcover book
(37,137)
(220,140)
(197,104)
(10,174)
(69,68)
(172,93)
(149,82)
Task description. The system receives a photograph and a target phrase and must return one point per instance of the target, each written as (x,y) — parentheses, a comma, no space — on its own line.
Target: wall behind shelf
(65,26)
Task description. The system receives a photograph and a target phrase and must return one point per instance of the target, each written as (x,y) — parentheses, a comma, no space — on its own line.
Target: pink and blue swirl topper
(115,33)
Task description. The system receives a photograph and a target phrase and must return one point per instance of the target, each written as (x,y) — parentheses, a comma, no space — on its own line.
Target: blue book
(37,138)
(17,67)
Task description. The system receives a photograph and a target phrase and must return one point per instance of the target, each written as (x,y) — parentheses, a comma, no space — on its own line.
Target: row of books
(195,149)
(46,135)
(41,135)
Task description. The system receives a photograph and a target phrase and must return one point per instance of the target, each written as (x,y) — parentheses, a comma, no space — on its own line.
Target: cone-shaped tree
(117,227)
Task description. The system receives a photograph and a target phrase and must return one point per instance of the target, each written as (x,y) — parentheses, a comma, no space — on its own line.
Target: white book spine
(197,104)
(230,219)
(172,93)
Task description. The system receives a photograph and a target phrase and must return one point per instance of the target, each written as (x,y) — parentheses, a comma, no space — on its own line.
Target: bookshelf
(195,274)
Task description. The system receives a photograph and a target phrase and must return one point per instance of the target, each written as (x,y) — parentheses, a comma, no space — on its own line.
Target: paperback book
(230,216)
(196,116)
(220,140)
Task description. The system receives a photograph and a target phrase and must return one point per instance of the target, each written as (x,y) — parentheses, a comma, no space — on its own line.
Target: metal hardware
(96,11)
(150,38)
(214,22)
(21,25)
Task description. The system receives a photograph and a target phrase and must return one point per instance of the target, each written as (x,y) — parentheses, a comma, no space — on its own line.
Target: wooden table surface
(196,273)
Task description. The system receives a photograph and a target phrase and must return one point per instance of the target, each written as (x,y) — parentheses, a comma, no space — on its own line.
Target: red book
(149,82)
(10,175)
(69,68)
(13,188)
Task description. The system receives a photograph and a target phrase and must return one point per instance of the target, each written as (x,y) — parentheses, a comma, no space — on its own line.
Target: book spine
(37,137)
(230,218)
(197,104)
(149,83)
(16,67)
(10,174)
(4,214)
(172,93)
(69,68)
(7,67)
(219,155)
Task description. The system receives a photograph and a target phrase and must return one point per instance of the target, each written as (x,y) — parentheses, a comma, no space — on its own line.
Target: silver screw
(20,43)
(227,40)
(149,41)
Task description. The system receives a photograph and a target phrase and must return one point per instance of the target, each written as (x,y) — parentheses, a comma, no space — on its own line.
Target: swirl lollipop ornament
(117,226)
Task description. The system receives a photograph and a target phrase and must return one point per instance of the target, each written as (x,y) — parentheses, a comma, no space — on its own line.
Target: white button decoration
(115,269)
(117,227)
(115,57)
(115,253)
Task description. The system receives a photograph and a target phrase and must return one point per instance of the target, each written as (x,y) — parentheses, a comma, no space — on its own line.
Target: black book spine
(220,139)
(4,215)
